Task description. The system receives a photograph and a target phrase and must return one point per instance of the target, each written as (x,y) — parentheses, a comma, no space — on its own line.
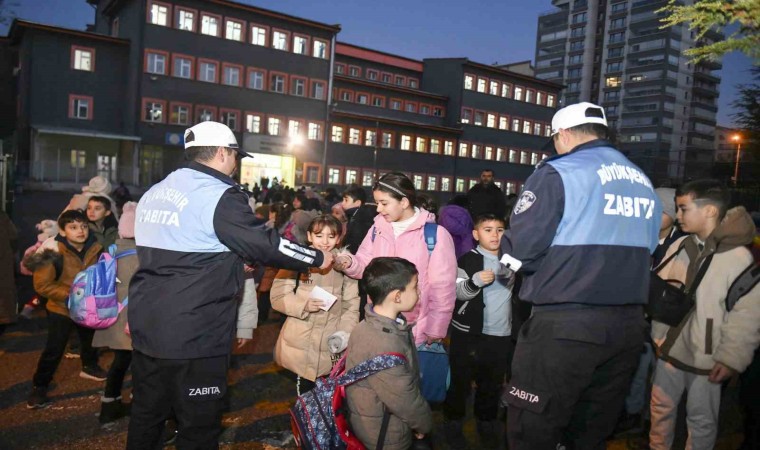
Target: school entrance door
(263,165)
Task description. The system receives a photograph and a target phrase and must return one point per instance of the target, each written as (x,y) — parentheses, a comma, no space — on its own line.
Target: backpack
(92,301)
(742,285)
(431,235)
(318,418)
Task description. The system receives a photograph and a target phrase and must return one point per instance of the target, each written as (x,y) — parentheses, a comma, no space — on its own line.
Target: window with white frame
(354,136)
(413,83)
(550,101)
(527,126)
(231,76)
(230,118)
(186,20)
(280,40)
(475,151)
(491,120)
(154,112)
(500,153)
(294,128)
(518,93)
(209,25)
(506,90)
(368,178)
(369,138)
(205,115)
(352,176)
(298,87)
(253,123)
(481,85)
(435,146)
(463,147)
(319,49)
(256,80)
(354,71)
(301,45)
(180,115)
(514,156)
(318,90)
(277,83)
(183,67)
(395,104)
(159,15)
(488,152)
(258,35)
(274,126)
(336,135)
(417,180)
(83,59)
(425,109)
(479,118)
(387,140)
(504,123)
(421,144)
(378,102)
(315,131)
(460,185)
(493,88)
(469,82)
(399,80)
(362,99)
(157,63)
(81,108)
(466,115)
(515,124)
(445,184)
(448,148)
(525,157)
(233,31)
(333,175)
(529,96)
(207,72)
(537,129)
(406,142)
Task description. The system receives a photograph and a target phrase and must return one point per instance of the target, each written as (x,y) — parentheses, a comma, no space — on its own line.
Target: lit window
(232,76)
(387,141)
(280,40)
(506,90)
(448,148)
(337,133)
(612,82)
(83,59)
(183,67)
(493,88)
(504,123)
(368,178)
(153,112)
(369,138)
(482,85)
(362,99)
(491,120)
(319,49)
(207,72)
(469,80)
(513,156)
(205,115)
(460,185)
(475,151)
(421,144)
(406,142)
(537,129)
(417,180)
(157,63)
(463,147)
(234,31)
(354,136)
(186,20)
(527,126)
(209,25)
(525,158)
(277,83)
(515,124)
(258,35)
(230,118)
(159,15)
(256,80)
(550,101)
(273,126)
(540,98)
(435,146)
(518,93)
(333,176)
(253,123)
(500,154)
(315,131)
(351,176)
(180,115)
(318,90)
(533,159)
(445,184)
(301,45)
(488,153)
(294,128)
(529,96)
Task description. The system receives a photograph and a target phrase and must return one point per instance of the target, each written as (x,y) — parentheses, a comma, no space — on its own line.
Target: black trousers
(121,361)
(570,375)
(59,329)
(194,389)
(483,359)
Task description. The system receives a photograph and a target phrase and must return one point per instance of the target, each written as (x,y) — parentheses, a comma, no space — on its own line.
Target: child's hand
(484,277)
(419,436)
(314,304)
(342,262)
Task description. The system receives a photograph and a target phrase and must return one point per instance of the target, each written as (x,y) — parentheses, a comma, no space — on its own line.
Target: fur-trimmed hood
(36,260)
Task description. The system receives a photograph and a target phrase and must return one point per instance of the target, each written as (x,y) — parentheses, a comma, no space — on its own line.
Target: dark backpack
(742,285)
(318,418)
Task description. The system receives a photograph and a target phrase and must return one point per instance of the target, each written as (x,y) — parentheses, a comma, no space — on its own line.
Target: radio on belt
(511,263)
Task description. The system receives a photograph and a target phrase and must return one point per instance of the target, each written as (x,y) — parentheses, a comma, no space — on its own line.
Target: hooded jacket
(396,389)
(54,271)
(437,271)
(360,220)
(302,345)
(710,333)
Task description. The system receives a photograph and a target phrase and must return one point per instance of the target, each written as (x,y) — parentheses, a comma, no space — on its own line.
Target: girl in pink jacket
(399,231)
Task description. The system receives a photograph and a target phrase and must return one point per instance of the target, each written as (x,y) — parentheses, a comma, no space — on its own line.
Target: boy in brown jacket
(391,285)
(54,271)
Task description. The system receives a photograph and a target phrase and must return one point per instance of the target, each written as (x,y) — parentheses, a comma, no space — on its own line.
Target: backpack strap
(374,232)
(668,259)
(370,367)
(431,235)
(383,429)
(111,249)
(692,288)
(741,286)
(129,252)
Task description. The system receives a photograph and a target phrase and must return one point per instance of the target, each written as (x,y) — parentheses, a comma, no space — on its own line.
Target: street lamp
(738,139)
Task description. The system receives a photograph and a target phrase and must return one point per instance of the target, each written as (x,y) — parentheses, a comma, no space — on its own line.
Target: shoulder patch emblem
(527,199)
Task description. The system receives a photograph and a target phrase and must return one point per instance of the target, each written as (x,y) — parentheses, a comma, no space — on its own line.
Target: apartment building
(613,53)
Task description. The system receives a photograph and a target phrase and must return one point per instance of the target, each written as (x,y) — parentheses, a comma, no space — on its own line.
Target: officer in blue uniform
(584,228)
(193,231)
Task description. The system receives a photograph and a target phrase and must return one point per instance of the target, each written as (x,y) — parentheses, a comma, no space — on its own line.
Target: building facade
(116,99)
(614,53)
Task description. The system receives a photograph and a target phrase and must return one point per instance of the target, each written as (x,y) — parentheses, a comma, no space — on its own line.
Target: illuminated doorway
(264,165)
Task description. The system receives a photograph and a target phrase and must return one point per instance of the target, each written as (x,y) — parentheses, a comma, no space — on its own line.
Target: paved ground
(260,392)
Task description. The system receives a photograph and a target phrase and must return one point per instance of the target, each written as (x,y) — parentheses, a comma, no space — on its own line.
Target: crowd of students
(393,288)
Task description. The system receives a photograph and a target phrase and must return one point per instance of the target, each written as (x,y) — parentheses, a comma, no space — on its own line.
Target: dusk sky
(485,31)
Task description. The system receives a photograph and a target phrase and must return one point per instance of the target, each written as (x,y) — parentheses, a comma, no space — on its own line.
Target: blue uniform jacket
(584,227)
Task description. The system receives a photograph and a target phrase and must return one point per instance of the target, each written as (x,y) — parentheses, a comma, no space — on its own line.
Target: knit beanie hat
(668,199)
(98,185)
(127,221)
